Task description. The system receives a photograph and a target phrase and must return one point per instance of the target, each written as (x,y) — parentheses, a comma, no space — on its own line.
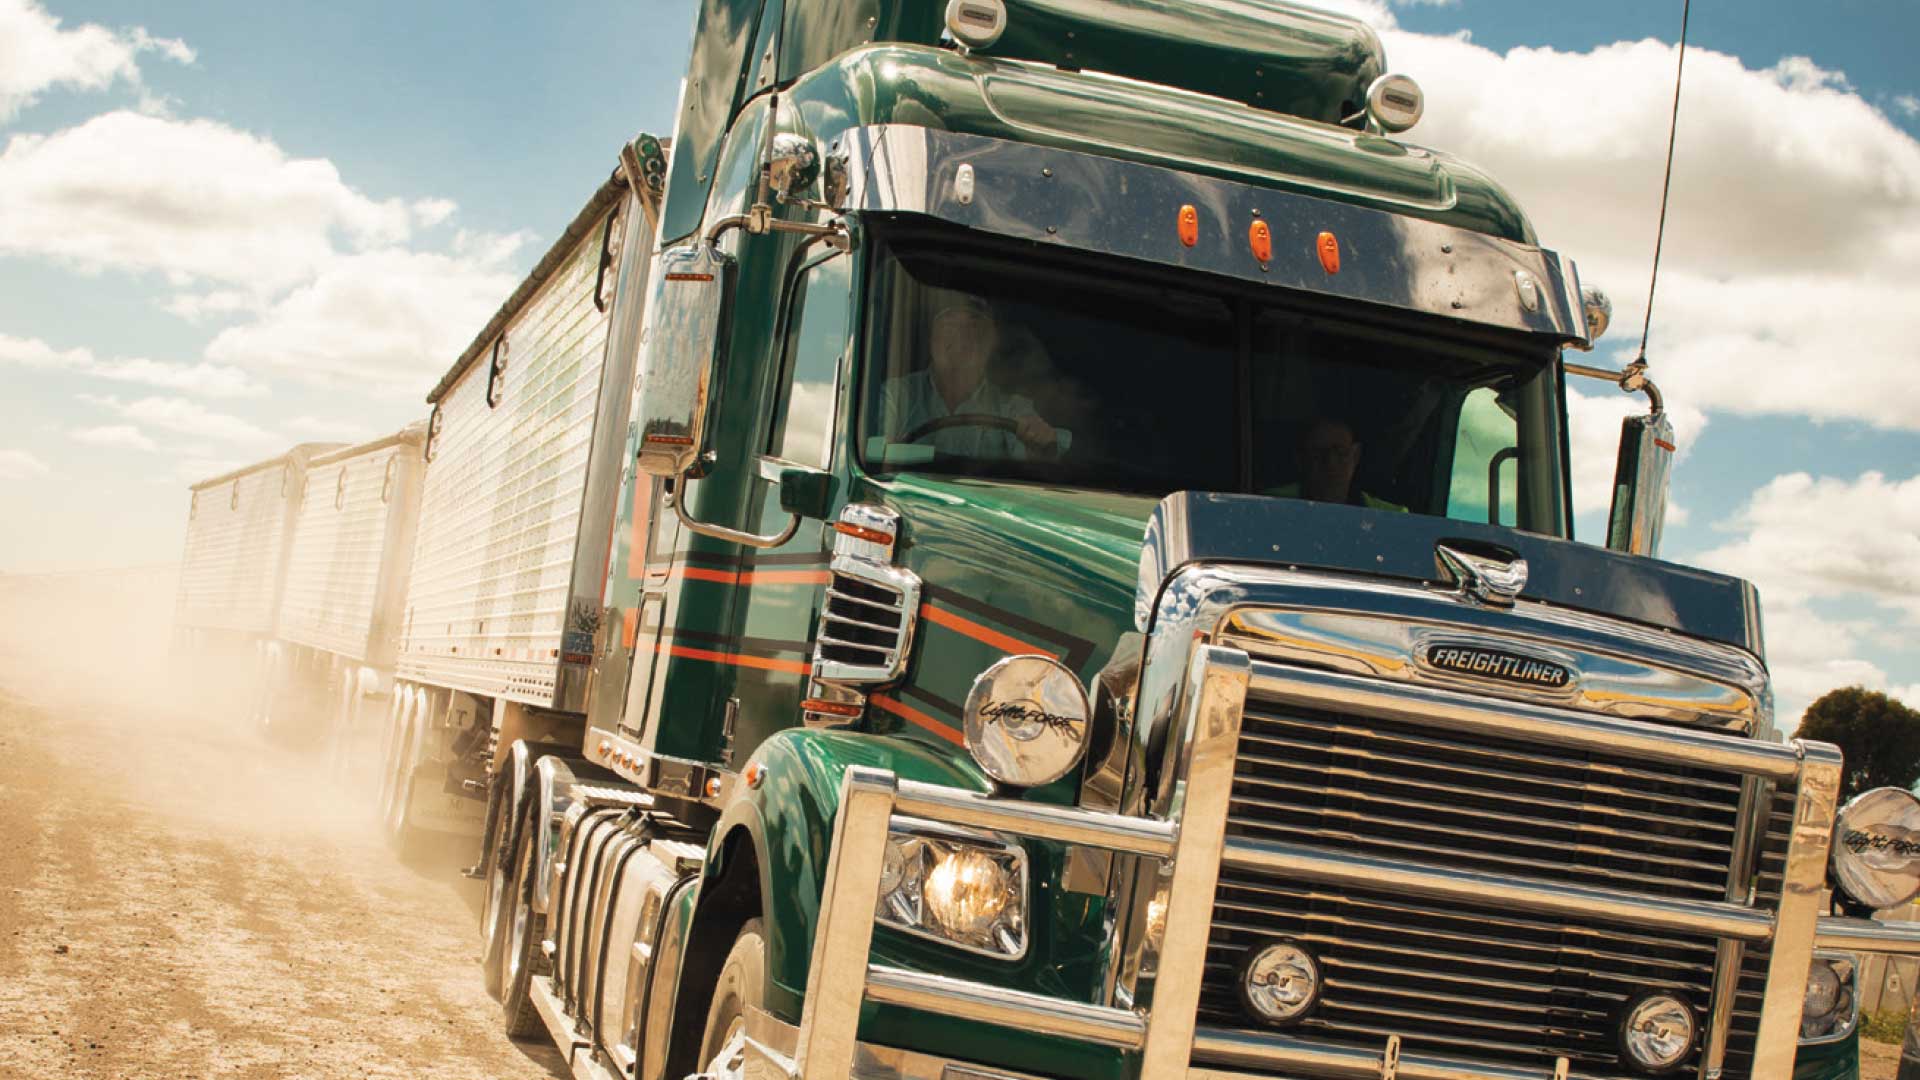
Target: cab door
(782,588)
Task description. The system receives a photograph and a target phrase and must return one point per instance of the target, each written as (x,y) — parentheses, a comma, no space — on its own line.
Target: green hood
(1010,564)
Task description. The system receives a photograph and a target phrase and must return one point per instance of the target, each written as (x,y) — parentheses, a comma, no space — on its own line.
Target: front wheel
(742,985)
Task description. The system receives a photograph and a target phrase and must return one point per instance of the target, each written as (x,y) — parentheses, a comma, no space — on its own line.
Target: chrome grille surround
(1692,712)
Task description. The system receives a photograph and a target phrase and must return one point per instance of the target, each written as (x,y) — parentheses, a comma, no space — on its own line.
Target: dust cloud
(183,897)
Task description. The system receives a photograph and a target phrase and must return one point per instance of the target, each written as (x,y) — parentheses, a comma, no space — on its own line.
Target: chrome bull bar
(1193,841)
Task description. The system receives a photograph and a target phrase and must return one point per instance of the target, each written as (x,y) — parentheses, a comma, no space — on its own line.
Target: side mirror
(1640,484)
(681,349)
(804,492)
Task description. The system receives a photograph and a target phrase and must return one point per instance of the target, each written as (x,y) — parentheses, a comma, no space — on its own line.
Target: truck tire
(409,840)
(523,958)
(496,902)
(742,985)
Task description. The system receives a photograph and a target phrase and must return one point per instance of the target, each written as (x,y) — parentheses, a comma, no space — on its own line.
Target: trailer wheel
(742,985)
(523,958)
(406,836)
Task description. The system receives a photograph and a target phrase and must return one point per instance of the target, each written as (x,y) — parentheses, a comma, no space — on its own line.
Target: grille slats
(862,625)
(1487,982)
(1523,815)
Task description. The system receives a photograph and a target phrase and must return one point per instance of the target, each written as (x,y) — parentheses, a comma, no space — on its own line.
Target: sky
(226,228)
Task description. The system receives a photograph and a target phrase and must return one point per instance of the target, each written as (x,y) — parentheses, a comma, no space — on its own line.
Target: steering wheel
(959,420)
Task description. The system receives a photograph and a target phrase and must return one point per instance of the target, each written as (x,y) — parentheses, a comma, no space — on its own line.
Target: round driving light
(1656,1032)
(1876,848)
(1027,720)
(1279,983)
(1395,103)
(966,892)
(1823,991)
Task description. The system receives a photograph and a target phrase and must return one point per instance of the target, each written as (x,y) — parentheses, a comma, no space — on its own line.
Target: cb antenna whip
(1666,186)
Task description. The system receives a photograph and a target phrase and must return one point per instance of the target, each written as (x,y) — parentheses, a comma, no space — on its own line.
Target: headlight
(1876,848)
(965,889)
(1832,1006)
(1027,720)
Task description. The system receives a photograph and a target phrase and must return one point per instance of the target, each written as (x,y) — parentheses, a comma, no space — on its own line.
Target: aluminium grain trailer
(524,453)
(233,570)
(346,581)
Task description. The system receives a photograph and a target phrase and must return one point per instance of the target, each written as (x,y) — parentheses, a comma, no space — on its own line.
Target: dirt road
(178,901)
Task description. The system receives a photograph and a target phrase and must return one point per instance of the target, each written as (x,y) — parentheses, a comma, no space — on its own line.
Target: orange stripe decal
(960,624)
(909,713)
(630,626)
(754,577)
(762,663)
(785,577)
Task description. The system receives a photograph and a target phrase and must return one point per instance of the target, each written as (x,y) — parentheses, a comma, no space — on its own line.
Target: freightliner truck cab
(1095,598)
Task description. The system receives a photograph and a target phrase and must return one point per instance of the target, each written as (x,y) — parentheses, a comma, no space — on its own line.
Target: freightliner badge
(1501,666)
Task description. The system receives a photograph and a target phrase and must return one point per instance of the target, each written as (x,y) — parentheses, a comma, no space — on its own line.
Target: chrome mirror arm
(721,532)
(1633,381)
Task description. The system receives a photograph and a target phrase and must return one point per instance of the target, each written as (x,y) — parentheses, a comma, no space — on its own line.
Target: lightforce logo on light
(1493,664)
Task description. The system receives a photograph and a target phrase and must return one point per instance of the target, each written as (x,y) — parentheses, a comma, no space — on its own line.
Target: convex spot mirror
(682,347)
(1640,480)
(793,165)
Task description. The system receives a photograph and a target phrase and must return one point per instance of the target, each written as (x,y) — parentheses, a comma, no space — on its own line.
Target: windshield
(983,365)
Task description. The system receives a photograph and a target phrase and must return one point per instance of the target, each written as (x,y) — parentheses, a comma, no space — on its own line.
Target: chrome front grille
(1452,979)
(1771,865)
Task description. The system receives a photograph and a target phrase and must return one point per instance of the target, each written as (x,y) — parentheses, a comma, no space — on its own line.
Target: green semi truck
(1089,592)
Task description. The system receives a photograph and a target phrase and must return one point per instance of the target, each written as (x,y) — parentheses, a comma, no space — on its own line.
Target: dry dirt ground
(179,900)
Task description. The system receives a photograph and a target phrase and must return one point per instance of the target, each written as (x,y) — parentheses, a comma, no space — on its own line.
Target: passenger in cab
(1328,457)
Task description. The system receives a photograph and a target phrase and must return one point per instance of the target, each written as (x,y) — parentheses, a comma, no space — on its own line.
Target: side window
(817,337)
(1486,462)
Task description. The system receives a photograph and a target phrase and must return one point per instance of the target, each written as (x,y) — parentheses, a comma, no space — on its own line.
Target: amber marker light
(1328,245)
(861,532)
(1189,225)
(831,708)
(1260,238)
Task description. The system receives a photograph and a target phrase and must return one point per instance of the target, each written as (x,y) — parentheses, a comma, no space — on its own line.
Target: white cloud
(314,278)
(193,469)
(431,212)
(323,430)
(204,379)
(1794,234)
(388,322)
(18,465)
(1908,105)
(185,417)
(37,55)
(196,201)
(1804,540)
(123,436)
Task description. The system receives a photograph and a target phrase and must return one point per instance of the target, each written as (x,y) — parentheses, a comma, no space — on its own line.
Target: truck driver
(953,406)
